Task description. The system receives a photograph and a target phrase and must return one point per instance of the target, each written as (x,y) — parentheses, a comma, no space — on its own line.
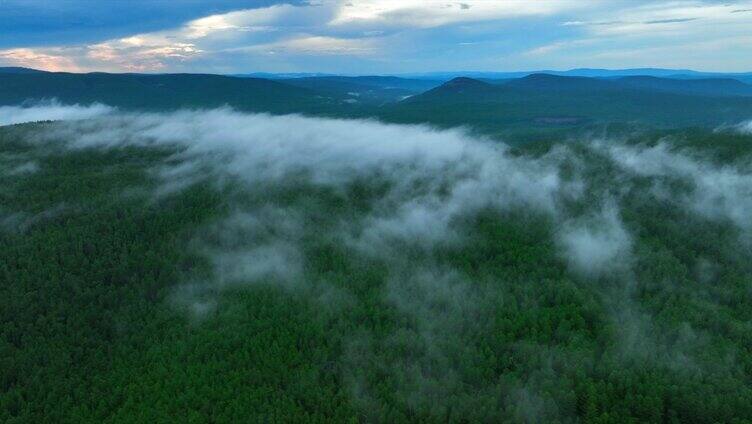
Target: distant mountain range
(490,104)
(585,72)
(579,72)
(447,75)
(545,100)
(704,86)
(469,89)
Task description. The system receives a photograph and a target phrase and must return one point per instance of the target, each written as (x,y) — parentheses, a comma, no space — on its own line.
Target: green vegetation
(123,301)
(546,101)
(541,102)
(157,92)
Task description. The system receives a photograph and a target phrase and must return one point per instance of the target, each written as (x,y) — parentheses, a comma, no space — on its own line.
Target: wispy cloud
(52,59)
(687,34)
(417,13)
(50,111)
(141,53)
(668,18)
(317,45)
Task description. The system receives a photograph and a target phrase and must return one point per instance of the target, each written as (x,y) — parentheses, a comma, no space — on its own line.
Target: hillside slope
(546,99)
(157,92)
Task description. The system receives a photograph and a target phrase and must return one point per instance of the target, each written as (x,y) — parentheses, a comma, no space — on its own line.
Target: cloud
(598,245)
(557,46)
(244,20)
(665,18)
(282,29)
(20,222)
(672,34)
(425,14)
(745,127)
(717,192)
(249,37)
(25,168)
(28,23)
(436,182)
(670,21)
(138,54)
(404,36)
(316,45)
(196,39)
(51,59)
(260,245)
(436,178)
(50,111)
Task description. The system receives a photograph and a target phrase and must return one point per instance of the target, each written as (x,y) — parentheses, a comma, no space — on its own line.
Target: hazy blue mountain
(474,89)
(364,89)
(601,73)
(544,100)
(272,75)
(696,86)
(446,76)
(704,86)
(581,72)
(745,78)
(390,82)
(561,83)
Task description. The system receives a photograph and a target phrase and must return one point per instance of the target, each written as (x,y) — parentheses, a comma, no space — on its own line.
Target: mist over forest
(204,264)
(376,211)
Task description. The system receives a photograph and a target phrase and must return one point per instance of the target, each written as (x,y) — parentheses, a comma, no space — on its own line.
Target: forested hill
(544,100)
(158,92)
(491,106)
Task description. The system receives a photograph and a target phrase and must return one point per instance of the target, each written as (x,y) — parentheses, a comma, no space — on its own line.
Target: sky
(374,36)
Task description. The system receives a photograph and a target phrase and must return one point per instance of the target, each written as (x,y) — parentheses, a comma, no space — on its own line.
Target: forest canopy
(213,265)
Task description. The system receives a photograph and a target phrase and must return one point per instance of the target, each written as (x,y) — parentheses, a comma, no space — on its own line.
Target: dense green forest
(177,269)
